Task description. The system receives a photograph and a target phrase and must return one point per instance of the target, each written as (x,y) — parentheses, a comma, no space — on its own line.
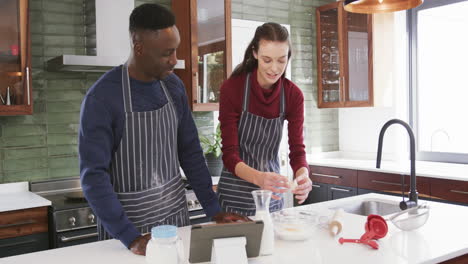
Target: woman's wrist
(302,170)
(247,173)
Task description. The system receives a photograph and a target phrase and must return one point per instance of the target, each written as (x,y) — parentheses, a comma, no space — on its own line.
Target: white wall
(359,127)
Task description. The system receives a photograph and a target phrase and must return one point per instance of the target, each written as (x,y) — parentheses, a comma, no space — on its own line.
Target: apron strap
(127,96)
(166,92)
(282,101)
(245,101)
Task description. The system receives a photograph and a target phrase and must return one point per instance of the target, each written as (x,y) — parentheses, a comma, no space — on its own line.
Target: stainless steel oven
(196,213)
(71,220)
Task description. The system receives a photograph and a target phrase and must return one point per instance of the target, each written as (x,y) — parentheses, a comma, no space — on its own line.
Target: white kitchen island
(443,237)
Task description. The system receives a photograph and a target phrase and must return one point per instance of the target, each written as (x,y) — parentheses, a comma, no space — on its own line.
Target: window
(438,79)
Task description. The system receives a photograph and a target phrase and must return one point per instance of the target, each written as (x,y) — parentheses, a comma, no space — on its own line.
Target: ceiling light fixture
(379,6)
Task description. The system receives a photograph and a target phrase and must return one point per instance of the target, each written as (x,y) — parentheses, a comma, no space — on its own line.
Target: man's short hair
(151,17)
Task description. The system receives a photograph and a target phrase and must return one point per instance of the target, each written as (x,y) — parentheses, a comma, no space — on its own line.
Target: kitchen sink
(367,207)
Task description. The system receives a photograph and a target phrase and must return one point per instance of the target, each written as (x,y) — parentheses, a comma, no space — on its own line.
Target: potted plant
(211,145)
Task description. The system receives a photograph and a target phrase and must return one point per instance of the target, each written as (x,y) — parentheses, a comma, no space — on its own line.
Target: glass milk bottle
(164,246)
(262,204)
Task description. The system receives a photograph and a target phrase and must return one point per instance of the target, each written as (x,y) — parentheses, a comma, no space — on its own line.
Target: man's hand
(138,246)
(221,218)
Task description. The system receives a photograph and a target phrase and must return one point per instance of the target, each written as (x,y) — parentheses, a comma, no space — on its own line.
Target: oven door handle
(195,217)
(73,238)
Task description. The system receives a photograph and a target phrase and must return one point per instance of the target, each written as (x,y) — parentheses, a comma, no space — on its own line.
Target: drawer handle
(195,217)
(30,241)
(457,191)
(68,239)
(326,175)
(27,222)
(388,183)
(339,189)
(315,186)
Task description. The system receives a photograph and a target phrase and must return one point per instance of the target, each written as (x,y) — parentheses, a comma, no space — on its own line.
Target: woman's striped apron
(259,141)
(145,168)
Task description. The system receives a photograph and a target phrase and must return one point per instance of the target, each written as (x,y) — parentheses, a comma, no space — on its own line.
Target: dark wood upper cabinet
(205,34)
(344,57)
(15,58)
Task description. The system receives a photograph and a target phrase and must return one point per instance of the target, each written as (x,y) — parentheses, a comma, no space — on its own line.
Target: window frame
(412,18)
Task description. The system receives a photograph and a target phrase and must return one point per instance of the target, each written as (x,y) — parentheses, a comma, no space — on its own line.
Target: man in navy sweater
(136,130)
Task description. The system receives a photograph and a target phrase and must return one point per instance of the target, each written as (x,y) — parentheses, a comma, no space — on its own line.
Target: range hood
(107,39)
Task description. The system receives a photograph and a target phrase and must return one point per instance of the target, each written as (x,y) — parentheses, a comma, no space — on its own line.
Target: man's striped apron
(145,168)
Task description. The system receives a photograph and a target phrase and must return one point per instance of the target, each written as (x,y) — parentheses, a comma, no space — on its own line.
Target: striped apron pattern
(145,168)
(259,141)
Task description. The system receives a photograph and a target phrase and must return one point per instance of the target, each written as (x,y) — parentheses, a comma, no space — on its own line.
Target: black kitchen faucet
(413,194)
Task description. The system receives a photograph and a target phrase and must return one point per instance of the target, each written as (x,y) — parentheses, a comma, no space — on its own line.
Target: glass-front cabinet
(15,58)
(205,31)
(344,57)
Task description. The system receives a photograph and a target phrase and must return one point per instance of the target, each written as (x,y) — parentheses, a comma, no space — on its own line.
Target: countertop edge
(22,200)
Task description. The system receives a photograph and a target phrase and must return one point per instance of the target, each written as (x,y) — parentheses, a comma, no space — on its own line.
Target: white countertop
(442,237)
(441,170)
(16,196)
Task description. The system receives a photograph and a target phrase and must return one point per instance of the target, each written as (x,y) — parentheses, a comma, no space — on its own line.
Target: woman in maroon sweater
(254,102)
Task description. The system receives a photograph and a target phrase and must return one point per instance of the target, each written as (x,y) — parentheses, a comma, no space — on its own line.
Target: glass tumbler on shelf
(262,204)
(325,95)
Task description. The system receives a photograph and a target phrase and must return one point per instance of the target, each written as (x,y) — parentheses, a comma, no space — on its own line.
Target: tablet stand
(229,251)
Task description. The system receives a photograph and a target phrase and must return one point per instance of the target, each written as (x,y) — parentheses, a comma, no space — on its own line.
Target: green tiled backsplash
(44,145)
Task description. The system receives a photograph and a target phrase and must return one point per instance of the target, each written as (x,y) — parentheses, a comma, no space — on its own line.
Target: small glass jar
(164,246)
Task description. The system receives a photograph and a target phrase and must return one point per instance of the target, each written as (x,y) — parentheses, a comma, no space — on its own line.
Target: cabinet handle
(27,222)
(30,241)
(339,189)
(315,186)
(326,175)
(460,192)
(68,239)
(195,217)
(27,85)
(387,183)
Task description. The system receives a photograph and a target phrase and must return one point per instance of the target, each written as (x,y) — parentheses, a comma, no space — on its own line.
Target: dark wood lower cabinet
(23,244)
(336,176)
(317,195)
(459,260)
(23,231)
(337,192)
(322,192)
(334,183)
(391,183)
(450,190)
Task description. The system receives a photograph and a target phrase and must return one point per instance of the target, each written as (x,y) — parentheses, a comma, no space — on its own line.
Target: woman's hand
(272,181)
(304,185)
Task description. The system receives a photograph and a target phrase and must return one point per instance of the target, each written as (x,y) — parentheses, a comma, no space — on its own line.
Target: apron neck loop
(127,96)
(245,102)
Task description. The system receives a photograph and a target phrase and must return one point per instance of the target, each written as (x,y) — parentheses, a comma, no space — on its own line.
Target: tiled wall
(43,145)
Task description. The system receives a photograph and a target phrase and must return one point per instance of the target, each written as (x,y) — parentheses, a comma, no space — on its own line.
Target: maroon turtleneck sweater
(265,103)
